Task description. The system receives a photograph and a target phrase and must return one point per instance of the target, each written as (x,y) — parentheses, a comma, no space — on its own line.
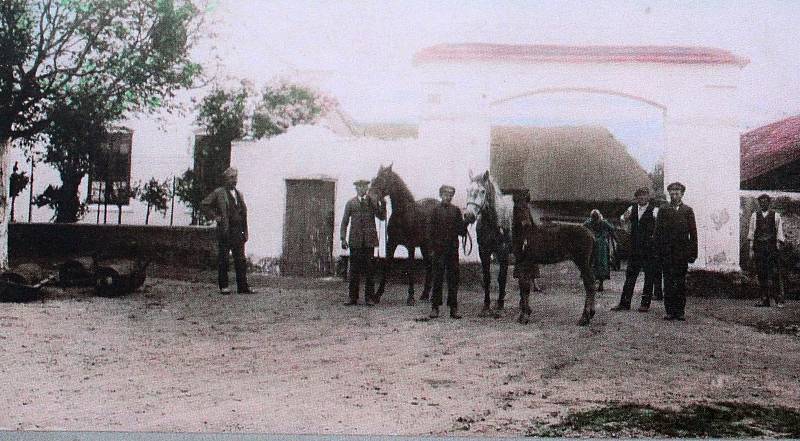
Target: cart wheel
(107,283)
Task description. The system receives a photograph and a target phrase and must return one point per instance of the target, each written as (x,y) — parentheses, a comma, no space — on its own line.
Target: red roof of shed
(537,53)
(769,147)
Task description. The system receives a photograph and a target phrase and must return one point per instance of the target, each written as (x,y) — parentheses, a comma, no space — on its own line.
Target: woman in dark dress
(601,255)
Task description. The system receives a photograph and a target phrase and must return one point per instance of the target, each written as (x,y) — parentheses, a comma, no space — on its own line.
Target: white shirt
(233,195)
(778,226)
(639,212)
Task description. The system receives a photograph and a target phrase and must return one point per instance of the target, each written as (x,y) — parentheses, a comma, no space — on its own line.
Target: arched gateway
(694,88)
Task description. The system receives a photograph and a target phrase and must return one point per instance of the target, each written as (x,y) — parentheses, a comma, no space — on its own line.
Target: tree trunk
(147,216)
(119,214)
(5,146)
(69,203)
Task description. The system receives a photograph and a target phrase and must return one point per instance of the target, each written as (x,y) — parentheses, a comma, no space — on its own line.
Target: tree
(77,137)
(284,105)
(129,56)
(190,191)
(155,194)
(19,180)
(657,177)
(121,195)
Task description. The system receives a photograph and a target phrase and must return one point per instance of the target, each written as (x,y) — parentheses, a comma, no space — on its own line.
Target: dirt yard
(177,356)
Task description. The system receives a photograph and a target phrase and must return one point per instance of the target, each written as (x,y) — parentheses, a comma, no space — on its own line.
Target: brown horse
(537,244)
(409,226)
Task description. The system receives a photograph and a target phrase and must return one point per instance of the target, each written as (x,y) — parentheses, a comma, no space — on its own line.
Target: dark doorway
(308,228)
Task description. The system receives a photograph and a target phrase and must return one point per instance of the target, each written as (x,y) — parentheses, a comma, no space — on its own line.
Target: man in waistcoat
(675,244)
(225,205)
(765,237)
(447,223)
(360,213)
(642,217)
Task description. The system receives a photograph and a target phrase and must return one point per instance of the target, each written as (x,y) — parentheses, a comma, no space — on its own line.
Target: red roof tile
(527,53)
(769,147)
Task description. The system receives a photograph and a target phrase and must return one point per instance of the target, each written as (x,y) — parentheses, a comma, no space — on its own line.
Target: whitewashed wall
(160,150)
(700,125)
(309,152)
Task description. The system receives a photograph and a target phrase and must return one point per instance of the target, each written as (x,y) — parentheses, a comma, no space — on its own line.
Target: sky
(363,49)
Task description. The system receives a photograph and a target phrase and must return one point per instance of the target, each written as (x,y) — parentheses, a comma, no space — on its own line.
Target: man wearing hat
(225,205)
(765,238)
(642,217)
(675,245)
(360,213)
(447,223)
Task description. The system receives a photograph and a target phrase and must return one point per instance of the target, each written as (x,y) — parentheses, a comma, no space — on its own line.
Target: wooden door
(308,228)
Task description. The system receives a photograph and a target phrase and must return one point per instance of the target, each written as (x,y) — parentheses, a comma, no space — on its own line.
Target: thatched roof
(584,163)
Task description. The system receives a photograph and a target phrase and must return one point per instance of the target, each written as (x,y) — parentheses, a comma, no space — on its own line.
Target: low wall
(181,246)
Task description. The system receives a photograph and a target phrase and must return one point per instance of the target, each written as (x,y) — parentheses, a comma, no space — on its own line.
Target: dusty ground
(176,356)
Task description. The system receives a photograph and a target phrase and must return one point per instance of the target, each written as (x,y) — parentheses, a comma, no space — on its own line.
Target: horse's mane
(502,205)
(403,197)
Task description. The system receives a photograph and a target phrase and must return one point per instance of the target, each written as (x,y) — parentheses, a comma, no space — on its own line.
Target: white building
(307,173)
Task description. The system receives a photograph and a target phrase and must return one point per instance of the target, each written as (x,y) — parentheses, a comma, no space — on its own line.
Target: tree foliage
(126,55)
(155,194)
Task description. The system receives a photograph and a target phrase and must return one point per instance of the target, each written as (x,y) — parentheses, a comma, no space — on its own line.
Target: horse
(548,244)
(493,212)
(409,226)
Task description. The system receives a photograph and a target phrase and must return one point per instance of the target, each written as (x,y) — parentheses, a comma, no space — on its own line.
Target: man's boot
(434,312)
(454,312)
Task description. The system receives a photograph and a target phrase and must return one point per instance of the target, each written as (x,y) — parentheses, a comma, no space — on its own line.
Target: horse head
(478,195)
(382,183)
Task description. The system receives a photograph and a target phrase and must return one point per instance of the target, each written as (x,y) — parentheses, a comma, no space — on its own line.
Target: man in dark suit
(225,205)
(642,217)
(447,223)
(360,213)
(675,244)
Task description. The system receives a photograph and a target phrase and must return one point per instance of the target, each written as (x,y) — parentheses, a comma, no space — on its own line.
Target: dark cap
(642,191)
(676,186)
(447,188)
(764,197)
(361,183)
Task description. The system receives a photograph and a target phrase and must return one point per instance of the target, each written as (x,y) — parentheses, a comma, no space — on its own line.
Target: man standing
(642,217)
(675,244)
(765,237)
(360,213)
(225,205)
(447,223)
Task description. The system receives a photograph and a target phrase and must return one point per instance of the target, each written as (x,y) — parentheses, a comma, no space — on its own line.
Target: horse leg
(524,294)
(588,284)
(486,270)
(387,267)
(410,274)
(428,263)
(502,278)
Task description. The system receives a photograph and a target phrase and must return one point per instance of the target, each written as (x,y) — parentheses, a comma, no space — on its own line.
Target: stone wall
(180,246)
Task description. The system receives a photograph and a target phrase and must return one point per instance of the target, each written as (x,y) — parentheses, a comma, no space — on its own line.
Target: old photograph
(424,218)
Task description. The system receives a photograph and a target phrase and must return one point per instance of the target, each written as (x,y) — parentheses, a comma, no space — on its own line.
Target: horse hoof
(485,312)
(524,319)
(584,321)
(410,301)
(591,314)
(425,297)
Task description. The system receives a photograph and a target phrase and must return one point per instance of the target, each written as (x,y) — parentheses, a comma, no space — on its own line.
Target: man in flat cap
(447,223)
(765,238)
(360,213)
(225,205)
(642,217)
(675,244)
